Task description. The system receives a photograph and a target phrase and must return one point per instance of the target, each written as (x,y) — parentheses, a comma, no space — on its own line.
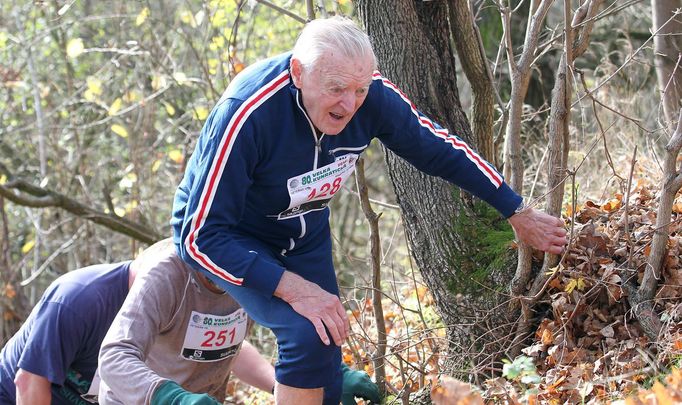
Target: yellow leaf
(219,19)
(571,286)
(218,41)
(180,77)
(119,211)
(158,81)
(75,47)
(552,270)
(94,85)
(142,17)
(187,17)
(129,207)
(176,156)
(128,180)
(200,113)
(115,106)
(89,95)
(3,179)
(28,246)
(120,130)
(156,165)
(169,109)
(580,284)
(612,205)
(3,39)
(132,96)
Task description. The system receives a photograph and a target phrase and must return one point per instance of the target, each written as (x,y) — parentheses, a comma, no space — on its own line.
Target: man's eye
(336,90)
(361,91)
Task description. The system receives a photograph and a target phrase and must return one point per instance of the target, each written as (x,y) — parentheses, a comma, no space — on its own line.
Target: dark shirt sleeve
(211,198)
(53,342)
(437,152)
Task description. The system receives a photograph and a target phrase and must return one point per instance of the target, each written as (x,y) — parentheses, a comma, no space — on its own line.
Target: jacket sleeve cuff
(504,200)
(264,277)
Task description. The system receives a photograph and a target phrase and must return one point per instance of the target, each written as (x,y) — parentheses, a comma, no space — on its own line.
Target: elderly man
(251,212)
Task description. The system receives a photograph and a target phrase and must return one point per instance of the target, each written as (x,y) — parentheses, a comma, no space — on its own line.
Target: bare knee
(287,395)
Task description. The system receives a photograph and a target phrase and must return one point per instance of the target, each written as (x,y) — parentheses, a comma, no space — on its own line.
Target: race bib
(213,337)
(312,191)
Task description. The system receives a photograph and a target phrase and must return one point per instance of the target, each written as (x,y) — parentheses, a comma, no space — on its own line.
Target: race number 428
(326,190)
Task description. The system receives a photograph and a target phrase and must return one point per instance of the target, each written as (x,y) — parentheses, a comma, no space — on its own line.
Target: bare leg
(286,395)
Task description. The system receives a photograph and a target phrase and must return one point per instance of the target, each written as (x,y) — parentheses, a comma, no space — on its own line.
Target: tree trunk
(453,239)
(668,56)
(475,65)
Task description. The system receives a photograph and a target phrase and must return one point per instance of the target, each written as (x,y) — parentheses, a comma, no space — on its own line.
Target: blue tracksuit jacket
(259,170)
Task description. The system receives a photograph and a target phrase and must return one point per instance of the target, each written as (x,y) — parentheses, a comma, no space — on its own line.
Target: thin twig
(61,249)
(375,258)
(627,205)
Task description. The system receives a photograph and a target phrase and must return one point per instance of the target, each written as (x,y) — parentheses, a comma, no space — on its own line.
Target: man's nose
(348,101)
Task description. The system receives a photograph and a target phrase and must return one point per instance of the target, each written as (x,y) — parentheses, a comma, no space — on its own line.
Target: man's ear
(296,69)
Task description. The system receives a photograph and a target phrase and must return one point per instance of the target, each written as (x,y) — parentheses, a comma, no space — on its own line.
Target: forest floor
(587,349)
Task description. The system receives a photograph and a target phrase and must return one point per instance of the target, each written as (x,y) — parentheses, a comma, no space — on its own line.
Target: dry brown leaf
(10,292)
(454,392)
(662,396)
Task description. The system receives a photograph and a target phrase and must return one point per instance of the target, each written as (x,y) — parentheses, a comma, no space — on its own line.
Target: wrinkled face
(333,89)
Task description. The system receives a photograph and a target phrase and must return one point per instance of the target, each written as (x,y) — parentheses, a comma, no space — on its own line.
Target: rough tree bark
(668,55)
(453,239)
(642,301)
(520,77)
(475,65)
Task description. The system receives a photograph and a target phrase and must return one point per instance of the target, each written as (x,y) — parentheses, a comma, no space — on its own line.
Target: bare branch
(585,14)
(659,245)
(26,194)
(627,61)
(375,257)
(287,12)
(534,26)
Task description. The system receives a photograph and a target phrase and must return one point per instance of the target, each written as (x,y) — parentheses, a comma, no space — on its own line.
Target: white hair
(332,34)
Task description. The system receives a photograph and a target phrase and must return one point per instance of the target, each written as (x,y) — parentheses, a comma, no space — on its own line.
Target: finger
(555,249)
(333,329)
(341,311)
(555,239)
(341,324)
(560,232)
(552,227)
(321,331)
